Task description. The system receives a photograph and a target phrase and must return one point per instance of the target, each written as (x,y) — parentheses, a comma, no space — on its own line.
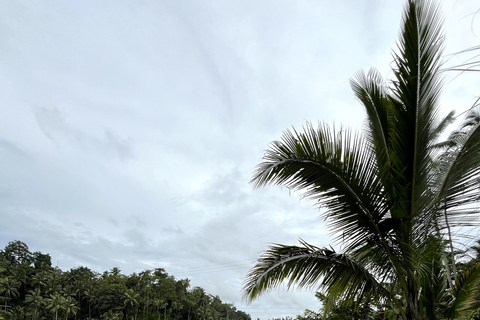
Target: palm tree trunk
(412,306)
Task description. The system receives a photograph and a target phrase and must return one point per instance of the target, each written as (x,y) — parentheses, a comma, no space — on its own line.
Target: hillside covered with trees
(30,288)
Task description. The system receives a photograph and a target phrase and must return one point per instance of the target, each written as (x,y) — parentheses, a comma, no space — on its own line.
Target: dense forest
(30,288)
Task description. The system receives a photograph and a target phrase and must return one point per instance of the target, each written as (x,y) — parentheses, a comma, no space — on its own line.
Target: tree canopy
(30,288)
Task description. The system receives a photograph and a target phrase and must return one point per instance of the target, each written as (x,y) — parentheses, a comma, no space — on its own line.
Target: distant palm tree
(9,289)
(110,315)
(159,304)
(70,306)
(89,294)
(394,195)
(115,272)
(131,301)
(54,280)
(35,300)
(39,280)
(56,303)
(17,313)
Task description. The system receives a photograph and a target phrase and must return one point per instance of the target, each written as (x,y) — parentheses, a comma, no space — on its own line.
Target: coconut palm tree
(35,300)
(56,303)
(39,280)
(159,304)
(9,289)
(89,294)
(70,306)
(131,301)
(395,194)
(17,313)
(111,315)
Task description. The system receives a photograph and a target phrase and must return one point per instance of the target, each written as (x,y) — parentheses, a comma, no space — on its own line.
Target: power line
(216,267)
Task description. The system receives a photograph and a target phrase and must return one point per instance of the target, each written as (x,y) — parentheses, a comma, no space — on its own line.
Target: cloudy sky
(129,129)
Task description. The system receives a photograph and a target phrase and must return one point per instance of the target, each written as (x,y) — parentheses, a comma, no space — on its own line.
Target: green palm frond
(336,169)
(370,89)
(440,128)
(416,89)
(305,266)
(465,296)
(458,174)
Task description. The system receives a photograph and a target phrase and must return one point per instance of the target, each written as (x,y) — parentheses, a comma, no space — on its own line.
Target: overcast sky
(129,129)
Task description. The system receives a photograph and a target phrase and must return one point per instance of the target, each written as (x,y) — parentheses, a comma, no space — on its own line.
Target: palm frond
(440,128)
(338,171)
(370,90)
(465,295)
(458,172)
(416,88)
(310,266)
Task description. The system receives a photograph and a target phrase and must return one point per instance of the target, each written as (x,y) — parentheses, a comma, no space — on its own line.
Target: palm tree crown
(395,191)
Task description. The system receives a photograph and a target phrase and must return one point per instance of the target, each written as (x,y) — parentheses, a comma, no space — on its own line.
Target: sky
(129,130)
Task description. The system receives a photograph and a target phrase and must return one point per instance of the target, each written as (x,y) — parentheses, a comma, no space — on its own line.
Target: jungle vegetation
(31,289)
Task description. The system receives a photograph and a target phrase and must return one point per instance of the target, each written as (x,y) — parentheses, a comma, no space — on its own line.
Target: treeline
(31,289)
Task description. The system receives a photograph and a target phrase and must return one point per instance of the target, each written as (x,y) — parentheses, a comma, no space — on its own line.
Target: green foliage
(346,310)
(395,195)
(30,289)
(310,315)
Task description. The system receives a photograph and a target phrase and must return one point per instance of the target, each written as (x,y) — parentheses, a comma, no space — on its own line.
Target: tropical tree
(309,315)
(17,253)
(89,294)
(54,280)
(111,315)
(9,289)
(70,306)
(131,301)
(17,313)
(55,303)
(159,304)
(35,300)
(394,195)
(39,280)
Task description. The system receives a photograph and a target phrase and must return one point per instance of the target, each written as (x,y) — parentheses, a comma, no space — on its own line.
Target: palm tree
(159,304)
(39,280)
(131,301)
(89,294)
(111,315)
(56,303)
(54,280)
(35,300)
(70,306)
(17,313)
(9,289)
(395,195)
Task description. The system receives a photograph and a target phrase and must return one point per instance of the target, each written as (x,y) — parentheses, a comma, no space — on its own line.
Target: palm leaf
(458,173)
(338,171)
(465,296)
(305,266)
